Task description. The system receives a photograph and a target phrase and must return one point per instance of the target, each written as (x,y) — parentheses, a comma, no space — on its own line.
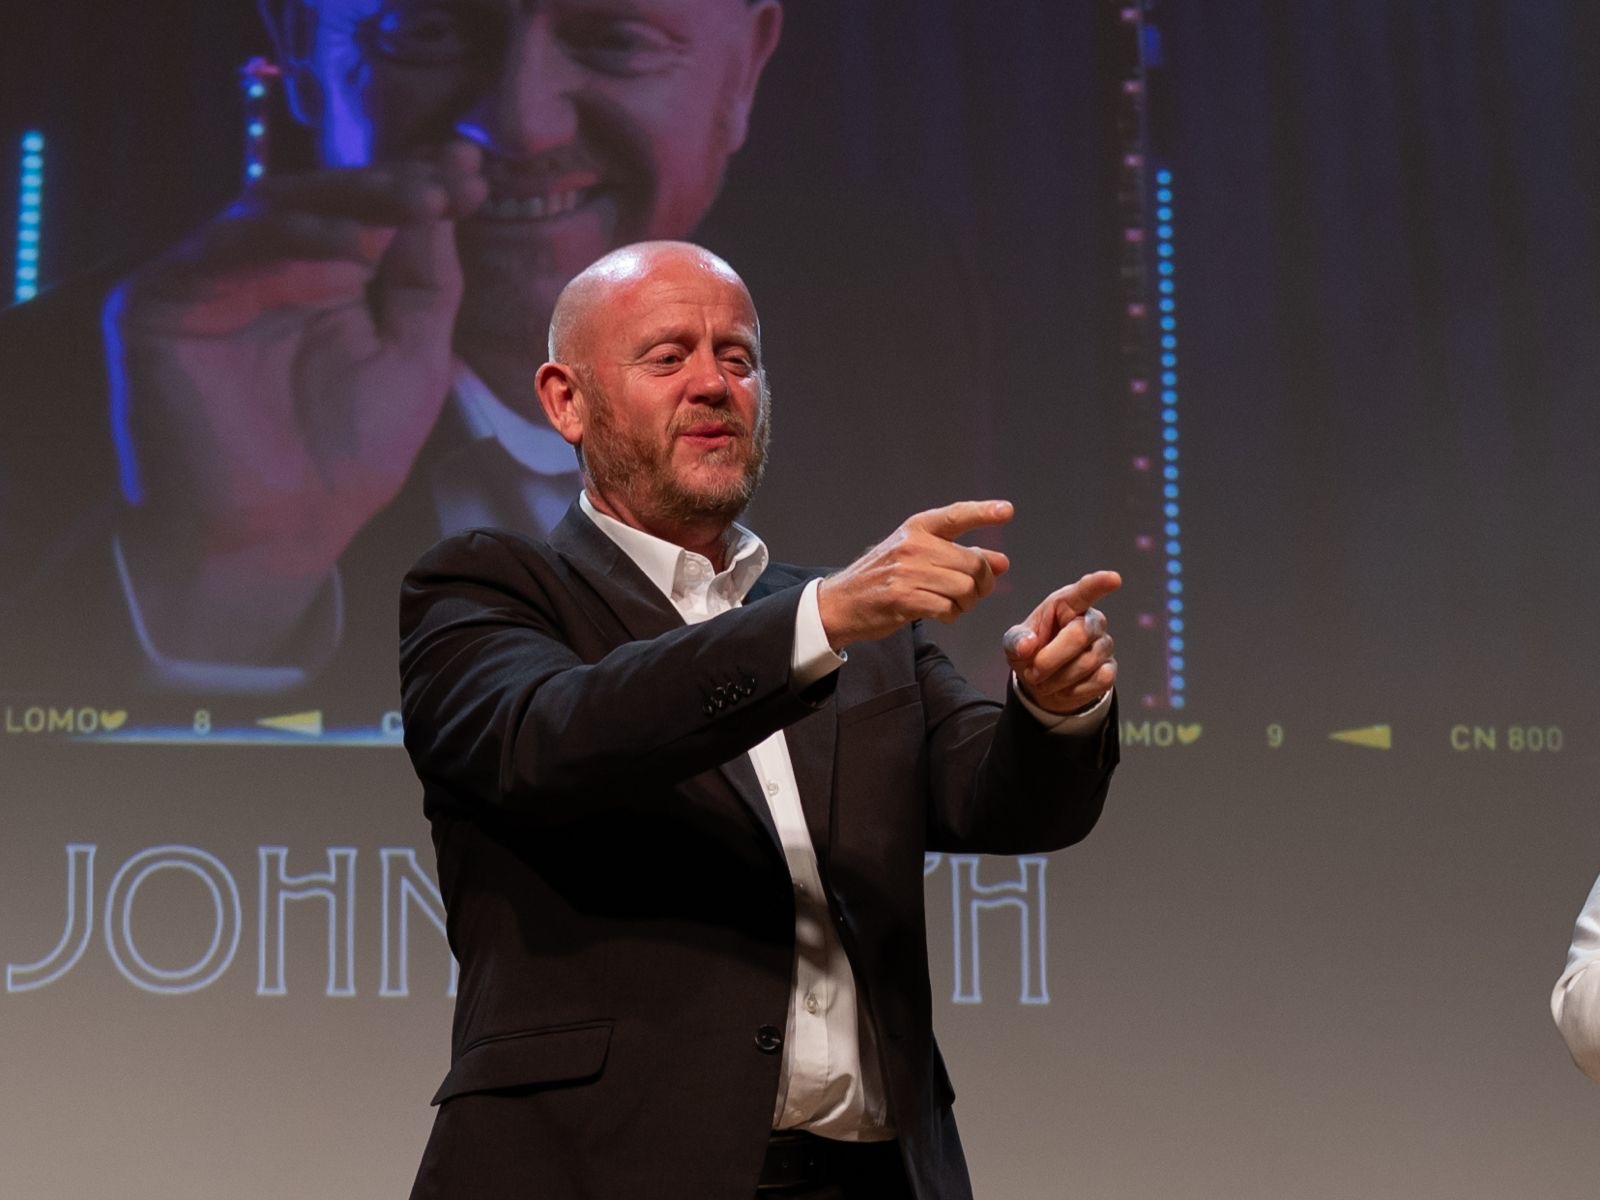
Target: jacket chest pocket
(875,706)
(880,767)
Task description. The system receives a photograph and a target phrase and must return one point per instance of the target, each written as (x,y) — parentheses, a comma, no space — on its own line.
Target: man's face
(675,418)
(603,122)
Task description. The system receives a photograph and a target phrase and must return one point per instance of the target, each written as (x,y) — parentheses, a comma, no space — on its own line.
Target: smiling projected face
(603,122)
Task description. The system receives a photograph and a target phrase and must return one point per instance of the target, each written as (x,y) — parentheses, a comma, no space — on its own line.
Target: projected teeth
(533,208)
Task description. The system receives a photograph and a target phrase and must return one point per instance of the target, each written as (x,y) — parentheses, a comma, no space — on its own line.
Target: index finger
(951,521)
(1083,595)
(391,193)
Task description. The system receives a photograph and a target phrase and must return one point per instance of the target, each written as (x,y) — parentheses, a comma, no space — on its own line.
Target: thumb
(1020,643)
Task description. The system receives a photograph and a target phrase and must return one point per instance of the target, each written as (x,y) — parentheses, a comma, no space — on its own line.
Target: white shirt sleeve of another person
(1576,999)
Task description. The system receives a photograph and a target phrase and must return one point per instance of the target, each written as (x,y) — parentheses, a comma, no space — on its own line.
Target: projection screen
(1286,312)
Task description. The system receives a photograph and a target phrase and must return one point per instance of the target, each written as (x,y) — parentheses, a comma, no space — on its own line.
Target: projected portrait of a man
(338,368)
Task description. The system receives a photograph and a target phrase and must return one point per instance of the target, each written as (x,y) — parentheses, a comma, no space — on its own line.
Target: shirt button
(811,1004)
(772,788)
(768,1039)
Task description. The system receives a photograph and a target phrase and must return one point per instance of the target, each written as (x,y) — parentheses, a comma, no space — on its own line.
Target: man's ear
(561,397)
(292,25)
(766,24)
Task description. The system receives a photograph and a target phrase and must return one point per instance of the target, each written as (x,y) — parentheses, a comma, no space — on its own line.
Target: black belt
(797,1159)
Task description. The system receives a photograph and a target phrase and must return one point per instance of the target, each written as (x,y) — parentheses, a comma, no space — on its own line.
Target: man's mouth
(538,206)
(710,436)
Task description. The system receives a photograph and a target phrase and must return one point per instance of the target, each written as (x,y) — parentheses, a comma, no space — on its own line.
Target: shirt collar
(537,447)
(672,568)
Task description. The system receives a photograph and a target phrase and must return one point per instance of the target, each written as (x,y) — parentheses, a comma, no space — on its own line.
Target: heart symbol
(113,721)
(1188,734)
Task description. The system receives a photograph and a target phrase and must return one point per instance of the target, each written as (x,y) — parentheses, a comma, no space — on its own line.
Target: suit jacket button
(768,1039)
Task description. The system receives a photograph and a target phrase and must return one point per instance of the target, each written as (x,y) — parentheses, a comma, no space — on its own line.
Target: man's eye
(618,47)
(429,35)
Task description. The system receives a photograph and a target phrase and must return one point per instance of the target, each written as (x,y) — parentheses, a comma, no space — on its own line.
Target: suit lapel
(636,603)
(811,745)
(811,749)
(643,613)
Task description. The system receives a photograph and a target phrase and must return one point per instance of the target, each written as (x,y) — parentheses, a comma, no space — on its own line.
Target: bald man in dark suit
(681,795)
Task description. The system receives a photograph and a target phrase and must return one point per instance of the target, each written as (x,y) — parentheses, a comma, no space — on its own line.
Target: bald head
(655,378)
(589,295)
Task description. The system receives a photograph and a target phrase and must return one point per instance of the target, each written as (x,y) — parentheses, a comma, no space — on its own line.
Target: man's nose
(708,382)
(524,105)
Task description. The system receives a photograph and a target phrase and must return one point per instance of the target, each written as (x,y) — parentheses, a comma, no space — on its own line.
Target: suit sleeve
(499,705)
(1575,1003)
(999,781)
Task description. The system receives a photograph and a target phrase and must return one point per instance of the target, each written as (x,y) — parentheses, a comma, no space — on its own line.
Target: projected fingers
(280,370)
(313,238)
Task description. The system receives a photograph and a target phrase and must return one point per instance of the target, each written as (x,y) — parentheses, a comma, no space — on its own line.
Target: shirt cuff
(1086,721)
(318,638)
(812,657)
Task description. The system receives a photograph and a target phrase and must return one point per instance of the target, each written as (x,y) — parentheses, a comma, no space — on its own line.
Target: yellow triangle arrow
(1375,737)
(307,723)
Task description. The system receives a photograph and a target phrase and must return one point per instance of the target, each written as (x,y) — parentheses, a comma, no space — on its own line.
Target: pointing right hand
(917,572)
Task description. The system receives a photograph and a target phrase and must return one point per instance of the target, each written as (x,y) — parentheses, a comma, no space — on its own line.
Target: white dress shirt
(1576,999)
(829,1082)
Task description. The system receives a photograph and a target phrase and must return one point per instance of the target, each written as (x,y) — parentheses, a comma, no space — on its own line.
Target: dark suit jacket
(616,894)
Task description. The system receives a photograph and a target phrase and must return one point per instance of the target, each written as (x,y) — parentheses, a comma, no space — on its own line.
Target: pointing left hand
(1061,653)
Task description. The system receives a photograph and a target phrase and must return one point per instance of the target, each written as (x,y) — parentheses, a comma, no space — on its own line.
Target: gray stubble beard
(626,466)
